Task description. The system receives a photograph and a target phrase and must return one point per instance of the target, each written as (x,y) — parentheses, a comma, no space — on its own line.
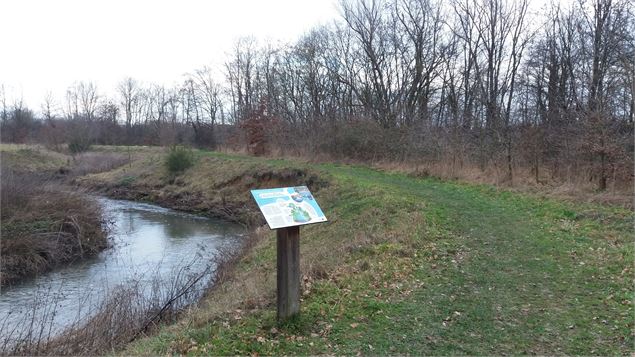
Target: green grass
(513,275)
(424,267)
(31,158)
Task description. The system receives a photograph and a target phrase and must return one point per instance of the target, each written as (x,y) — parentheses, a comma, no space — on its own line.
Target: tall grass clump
(78,144)
(179,159)
(44,226)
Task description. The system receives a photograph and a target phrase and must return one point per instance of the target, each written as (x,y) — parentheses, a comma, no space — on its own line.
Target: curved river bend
(151,246)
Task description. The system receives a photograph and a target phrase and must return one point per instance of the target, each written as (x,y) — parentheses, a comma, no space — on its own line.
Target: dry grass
(96,161)
(224,193)
(202,189)
(249,283)
(43,226)
(31,158)
(379,224)
(574,188)
(235,289)
(39,160)
(127,312)
(31,205)
(393,238)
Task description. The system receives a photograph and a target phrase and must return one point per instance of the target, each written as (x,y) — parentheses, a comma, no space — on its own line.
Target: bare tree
(71,106)
(3,102)
(208,92)
(418,80)
(129,92)
(423,51)
(88,98)
(241,77)
(49,107)
(372,31)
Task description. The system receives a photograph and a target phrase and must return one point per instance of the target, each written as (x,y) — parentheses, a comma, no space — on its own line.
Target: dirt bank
(202,189)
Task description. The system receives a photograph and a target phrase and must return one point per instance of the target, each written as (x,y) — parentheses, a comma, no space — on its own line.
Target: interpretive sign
(286,209)
(288,206)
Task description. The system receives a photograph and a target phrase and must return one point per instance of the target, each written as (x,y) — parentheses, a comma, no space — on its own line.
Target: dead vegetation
(203,190)
(43,222)
(127,312)
(97,161)
(44,226)
(574,188)
(32,206)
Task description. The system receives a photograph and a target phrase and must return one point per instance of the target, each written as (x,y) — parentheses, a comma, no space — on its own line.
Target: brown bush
(43,226)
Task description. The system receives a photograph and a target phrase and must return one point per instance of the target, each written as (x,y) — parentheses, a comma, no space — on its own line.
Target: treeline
(465,85)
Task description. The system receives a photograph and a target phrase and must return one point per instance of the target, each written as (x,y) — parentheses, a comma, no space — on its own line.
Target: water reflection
(148,242)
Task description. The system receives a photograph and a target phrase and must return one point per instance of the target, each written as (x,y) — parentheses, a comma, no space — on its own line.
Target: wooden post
(288,272)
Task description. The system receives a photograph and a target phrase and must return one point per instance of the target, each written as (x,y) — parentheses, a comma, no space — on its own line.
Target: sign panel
(288,206)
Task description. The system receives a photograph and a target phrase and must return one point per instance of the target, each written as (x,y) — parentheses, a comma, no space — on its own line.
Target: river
(151,246)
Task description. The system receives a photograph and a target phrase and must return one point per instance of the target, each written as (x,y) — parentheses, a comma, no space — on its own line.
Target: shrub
(127,180)
(78,144)
(179,159)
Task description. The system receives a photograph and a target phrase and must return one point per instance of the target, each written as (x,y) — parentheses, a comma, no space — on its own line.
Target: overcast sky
(49,44)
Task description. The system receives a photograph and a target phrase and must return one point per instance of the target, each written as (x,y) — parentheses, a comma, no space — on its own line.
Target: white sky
(46,45)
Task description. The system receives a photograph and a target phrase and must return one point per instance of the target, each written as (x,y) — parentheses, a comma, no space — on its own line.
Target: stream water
(151,246)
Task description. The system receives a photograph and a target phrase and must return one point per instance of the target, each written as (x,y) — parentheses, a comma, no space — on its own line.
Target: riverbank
(43,224)
(212,188)
(405,265)
(159,262)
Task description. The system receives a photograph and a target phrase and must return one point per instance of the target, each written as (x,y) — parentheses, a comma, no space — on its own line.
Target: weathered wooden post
(288,271)
(285,210)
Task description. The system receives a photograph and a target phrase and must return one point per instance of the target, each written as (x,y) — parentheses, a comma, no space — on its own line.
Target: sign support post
(285,209)
(288,276)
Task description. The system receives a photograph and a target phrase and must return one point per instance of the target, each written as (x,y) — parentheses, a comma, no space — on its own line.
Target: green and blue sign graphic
(288,206)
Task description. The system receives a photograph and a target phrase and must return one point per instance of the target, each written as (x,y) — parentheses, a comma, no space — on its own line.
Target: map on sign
(288,206)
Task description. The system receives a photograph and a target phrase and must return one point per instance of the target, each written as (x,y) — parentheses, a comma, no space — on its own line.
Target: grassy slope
(418,266)
(30,158)
(40,225)
(43,228)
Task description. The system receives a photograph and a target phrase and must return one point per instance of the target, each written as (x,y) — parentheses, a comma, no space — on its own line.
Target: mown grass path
(518,275)
(425,267)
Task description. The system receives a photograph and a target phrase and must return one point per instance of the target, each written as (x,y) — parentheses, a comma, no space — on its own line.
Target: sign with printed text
(288,206)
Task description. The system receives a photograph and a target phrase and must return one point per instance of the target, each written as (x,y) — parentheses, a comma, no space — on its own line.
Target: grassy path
(419,266)
(520,275)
